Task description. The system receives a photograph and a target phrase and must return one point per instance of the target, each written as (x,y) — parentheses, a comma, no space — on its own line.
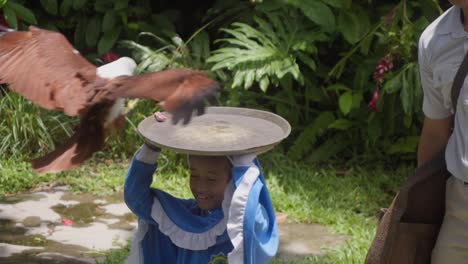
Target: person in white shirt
(442,47)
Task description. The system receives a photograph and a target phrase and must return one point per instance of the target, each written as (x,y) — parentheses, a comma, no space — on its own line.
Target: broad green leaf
(394,84)
(404,145)
(405,95)
(269,6)
(341,124)
(108,40)
(411,87)
(2,3)
(330,148)
(78,4)
(357,99)
(123,17)
(93,29)
(23,12)
(249,79)
(407,121)
(65,7)
(308,61)
(337,87)
(238,79)
(418,94)
(79,35)
(338,3)
(346,102)
(51,6)
(348,25)
(109,21)
(10,17)
(264,83)
(200,46)
(121,4)
(103,5)
(374,129)
(317,12)
(366,44)
(307,139)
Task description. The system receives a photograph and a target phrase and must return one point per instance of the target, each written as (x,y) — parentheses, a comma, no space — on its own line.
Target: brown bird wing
(179,91)
(88,138)
(44,67)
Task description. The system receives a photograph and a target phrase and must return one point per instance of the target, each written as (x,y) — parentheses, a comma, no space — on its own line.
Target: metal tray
(220,131)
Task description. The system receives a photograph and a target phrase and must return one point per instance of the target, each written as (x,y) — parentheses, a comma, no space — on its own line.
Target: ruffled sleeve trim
(189,240)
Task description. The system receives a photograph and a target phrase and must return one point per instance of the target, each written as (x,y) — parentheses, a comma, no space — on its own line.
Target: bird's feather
(88,138)
(44,67)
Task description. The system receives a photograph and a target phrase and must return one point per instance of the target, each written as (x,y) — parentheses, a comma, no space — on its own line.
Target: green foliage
(346,204)
(270,51)
(26,128)
(301,59)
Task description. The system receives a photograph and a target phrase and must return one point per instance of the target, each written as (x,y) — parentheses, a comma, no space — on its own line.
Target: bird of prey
(44,67)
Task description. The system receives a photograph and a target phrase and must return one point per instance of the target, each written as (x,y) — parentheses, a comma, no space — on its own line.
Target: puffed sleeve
(137,191)
(433,101)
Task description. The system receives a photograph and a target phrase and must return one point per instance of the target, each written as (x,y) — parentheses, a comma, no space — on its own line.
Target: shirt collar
(451,23)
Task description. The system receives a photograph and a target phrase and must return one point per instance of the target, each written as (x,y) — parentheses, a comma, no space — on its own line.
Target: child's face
(209,177)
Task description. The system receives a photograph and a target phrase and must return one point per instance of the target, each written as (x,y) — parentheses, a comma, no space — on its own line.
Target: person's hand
(160,117)
(148,152)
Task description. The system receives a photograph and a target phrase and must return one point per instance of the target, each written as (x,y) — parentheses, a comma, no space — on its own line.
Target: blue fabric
(186,214)
(260,230)
(157,247)
(261,237)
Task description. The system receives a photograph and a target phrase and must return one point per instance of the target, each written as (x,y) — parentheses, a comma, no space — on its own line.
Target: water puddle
(56,226)
(33,227)
(301,240)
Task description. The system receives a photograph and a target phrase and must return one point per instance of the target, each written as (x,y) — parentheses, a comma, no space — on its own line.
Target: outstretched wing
(179,91)
(44,67)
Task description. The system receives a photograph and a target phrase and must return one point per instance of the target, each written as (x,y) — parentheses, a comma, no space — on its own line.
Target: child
(230,220)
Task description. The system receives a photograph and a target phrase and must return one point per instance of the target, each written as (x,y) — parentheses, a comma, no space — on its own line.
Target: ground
(345,201)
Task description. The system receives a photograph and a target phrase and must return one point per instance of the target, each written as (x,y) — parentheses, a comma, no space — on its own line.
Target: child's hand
(160,117)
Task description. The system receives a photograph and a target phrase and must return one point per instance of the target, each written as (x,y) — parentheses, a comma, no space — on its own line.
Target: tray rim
(280,121)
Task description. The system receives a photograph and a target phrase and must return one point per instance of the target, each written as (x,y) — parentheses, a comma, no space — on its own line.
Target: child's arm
(137,192)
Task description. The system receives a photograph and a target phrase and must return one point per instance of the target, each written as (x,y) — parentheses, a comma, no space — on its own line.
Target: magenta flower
(110,57)
(373,102)
(384,65)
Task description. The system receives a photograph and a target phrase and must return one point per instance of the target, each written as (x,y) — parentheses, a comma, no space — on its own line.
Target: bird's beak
(5,29)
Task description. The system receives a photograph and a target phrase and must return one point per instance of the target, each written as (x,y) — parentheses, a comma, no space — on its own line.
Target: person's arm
(137,192)
(434,137)
(438,116)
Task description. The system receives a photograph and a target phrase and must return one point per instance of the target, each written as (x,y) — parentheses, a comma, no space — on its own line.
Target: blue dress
(173,230)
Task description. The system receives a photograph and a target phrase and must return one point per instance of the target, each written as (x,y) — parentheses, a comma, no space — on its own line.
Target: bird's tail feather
(77,149)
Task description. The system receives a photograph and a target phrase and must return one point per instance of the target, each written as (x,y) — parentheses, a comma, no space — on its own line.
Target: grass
(346,204)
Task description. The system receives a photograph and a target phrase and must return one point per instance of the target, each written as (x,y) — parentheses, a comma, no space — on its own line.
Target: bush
(343,73)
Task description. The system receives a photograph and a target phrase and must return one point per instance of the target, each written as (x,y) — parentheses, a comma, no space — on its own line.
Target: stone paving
(35,228)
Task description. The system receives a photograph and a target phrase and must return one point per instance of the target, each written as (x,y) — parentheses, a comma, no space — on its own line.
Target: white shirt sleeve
(433,101)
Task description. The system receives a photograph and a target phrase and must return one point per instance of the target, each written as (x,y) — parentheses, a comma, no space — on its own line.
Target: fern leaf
(307,139)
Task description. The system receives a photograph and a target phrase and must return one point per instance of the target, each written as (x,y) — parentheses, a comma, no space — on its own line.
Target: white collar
(451,23)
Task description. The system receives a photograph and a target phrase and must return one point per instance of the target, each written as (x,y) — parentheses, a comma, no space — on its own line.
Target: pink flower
(384,65)
(110,57)
(373,103)
(67,222)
